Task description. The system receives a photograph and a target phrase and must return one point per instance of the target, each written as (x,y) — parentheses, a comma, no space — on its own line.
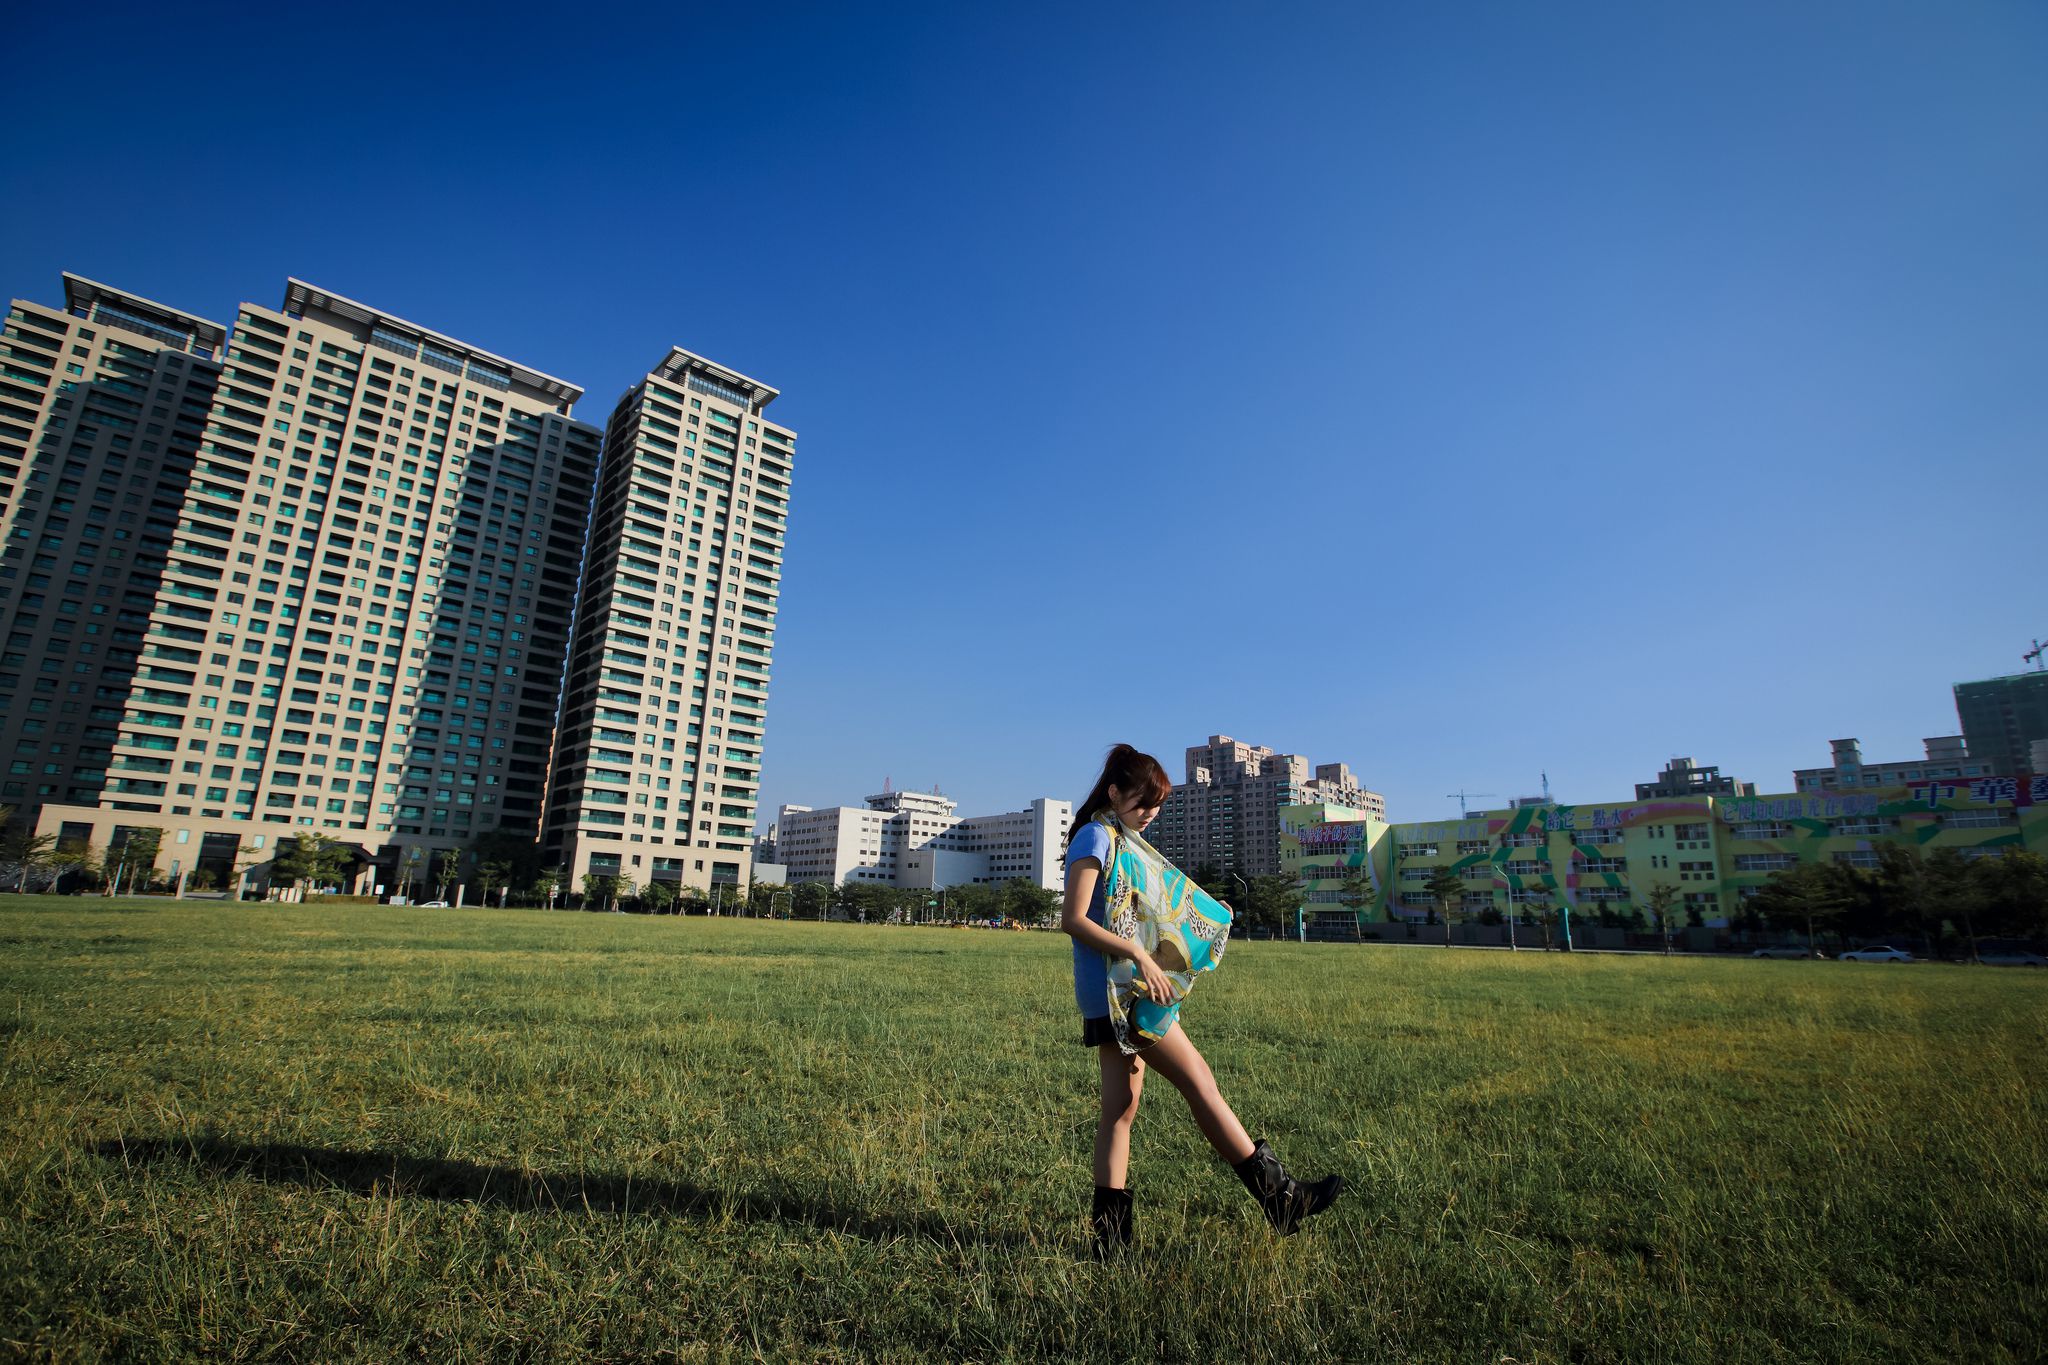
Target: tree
(1658,898)
(409,871)
(810,899)
(1272,900)
(1807,899)
(547,882)
(602,889)
(2012,893)
(658,897)
(1447,889)
(247,860)
(447,872)
(1903,891)
(1027,902)
(971,901)
(1354,893)
(74,858)
(494,874)
(1953,896)
(135,860)
(514,852)
(310,859)
(24,854)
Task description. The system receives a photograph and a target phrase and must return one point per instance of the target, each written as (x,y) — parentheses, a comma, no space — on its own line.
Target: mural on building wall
(1712,850)
(1333,840)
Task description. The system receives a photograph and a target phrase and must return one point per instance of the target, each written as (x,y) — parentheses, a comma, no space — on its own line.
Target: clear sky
(1460,391)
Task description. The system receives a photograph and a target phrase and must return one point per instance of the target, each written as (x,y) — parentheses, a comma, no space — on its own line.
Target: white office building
(914,840)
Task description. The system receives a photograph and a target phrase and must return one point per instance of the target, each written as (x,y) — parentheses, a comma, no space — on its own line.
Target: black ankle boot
(1111,1221)
(1284,1200)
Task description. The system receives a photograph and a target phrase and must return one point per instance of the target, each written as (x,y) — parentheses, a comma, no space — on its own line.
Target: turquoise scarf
(1153,904)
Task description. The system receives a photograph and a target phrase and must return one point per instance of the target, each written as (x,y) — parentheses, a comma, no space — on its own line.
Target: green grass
(361,1133)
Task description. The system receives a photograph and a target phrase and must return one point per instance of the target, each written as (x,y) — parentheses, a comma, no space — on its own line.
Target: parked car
(433,905)
(1878,952)
(1789,954)
(2010,957)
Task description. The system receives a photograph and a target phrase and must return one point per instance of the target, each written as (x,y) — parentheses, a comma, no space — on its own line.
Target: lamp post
(1500,873)
(1244,892)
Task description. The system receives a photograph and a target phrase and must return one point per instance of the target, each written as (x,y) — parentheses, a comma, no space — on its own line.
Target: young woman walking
(1142,933)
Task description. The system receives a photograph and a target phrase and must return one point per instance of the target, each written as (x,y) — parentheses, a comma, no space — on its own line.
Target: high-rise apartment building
(315,572)
(1227,813)
(2002,718)
(658,768)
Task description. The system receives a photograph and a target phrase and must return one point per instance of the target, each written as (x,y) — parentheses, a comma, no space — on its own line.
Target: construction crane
(1461,795)
(2033,656)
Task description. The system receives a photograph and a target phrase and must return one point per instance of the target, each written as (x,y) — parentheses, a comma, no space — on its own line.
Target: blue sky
(1460,391)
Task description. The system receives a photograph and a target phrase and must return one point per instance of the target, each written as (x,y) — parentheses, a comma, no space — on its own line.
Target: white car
(433,905)
(1878,952)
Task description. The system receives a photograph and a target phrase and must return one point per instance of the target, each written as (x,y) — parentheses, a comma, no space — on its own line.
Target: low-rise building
(914,840)
(1712,851)
(1947,756)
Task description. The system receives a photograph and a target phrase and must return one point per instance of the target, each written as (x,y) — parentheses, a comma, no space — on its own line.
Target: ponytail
(1131,773)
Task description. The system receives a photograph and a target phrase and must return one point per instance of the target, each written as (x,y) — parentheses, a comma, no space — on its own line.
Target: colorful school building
(1714,851)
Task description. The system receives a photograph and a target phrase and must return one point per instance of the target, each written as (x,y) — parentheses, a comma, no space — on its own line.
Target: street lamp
(1500,874)
(1244,892)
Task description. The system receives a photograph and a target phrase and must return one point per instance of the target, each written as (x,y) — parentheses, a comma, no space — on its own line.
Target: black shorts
(1099,1030)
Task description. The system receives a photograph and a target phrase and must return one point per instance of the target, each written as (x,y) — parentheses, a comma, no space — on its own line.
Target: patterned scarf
(1153,903)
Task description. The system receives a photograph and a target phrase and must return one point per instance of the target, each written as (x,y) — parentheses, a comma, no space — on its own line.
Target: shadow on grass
(380,1174)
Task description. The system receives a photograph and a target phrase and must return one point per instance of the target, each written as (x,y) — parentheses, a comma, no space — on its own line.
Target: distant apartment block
(913,839)
(1226,814)
(1946,757)
(1681,778)
(316,570)
(2003,718)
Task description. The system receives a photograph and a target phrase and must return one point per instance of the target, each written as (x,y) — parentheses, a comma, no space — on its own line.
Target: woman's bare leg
(1175,1058)
(1123,1081)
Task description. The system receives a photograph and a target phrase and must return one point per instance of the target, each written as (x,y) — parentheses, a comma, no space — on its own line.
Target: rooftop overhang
(82,295)
(680,364)
(301,298)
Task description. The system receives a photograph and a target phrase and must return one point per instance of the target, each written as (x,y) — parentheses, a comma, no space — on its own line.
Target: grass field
(363,1133)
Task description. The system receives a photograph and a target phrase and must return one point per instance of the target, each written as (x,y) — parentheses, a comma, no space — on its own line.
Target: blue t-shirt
(1091,969)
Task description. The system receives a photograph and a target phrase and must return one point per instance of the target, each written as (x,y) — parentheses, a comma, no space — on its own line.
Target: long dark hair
(1131,773)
